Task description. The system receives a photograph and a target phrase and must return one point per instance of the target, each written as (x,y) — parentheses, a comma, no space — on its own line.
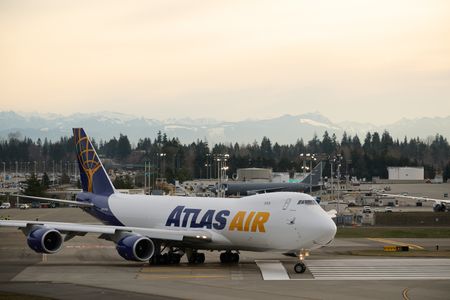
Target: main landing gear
(169,258)
(172,257)
(300,267)
(228,257)
(196,258)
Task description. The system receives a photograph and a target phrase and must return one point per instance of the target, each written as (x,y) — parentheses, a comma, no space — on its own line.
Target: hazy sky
(376,61)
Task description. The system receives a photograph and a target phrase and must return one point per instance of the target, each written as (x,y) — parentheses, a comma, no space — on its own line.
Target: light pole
(339,180)
(308,157)
(149,175)
(17,171)
(331,177)
(225,166)
(17,183)
(222,168)
(4,173)
(303,157)
(145,176)
(207,170)
(163,171)
(311,172)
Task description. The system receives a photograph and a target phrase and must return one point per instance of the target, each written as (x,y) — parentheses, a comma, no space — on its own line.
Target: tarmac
(90,268)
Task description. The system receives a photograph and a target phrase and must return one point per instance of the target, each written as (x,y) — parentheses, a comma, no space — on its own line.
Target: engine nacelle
(136,247)
(439,207)
(45,240)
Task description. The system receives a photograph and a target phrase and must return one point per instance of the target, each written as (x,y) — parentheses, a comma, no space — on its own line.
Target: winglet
(94,178)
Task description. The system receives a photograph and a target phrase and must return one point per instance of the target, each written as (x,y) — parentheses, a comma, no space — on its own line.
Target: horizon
(106,125)
(361,61)
(137,116)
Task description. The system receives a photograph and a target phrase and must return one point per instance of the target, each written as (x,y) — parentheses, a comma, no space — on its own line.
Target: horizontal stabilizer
(77,203)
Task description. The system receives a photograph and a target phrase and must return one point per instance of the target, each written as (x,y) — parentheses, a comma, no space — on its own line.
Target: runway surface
(90,268)
(380,269)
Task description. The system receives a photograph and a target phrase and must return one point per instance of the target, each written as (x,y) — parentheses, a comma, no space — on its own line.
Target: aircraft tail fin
(315,174)
(94,178)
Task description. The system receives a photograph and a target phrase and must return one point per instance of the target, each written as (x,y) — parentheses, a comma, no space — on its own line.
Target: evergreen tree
(45,181)
(34,187)
(123,182)
(123,147)
(327,144)
(446,173)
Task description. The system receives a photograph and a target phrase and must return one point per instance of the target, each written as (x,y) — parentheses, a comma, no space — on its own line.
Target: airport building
(406,173)
(254,174)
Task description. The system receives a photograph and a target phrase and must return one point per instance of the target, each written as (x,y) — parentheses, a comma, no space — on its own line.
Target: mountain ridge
(285,129)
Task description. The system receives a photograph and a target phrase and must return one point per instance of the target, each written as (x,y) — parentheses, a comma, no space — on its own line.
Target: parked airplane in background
(161,229)
(438,206)
(312,181)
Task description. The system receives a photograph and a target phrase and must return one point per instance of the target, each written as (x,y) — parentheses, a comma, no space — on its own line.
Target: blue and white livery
(142,225)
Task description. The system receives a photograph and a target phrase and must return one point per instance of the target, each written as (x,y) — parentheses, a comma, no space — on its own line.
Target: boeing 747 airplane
(161,229)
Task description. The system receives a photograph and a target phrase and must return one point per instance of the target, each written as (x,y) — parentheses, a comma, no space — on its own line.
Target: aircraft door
(290,212)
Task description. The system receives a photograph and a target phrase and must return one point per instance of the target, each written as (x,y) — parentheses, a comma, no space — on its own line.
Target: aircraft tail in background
(315,174)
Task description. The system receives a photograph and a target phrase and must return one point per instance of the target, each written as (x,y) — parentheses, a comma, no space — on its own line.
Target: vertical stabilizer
(94,178)
(315,174)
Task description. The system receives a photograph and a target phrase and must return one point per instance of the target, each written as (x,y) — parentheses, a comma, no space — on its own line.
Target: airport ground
(90,268)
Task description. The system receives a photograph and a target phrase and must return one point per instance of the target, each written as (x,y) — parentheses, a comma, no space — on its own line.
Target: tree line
(167,157)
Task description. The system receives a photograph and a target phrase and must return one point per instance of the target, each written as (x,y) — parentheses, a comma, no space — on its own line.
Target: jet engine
(439,207)
(135,247)
(45,240)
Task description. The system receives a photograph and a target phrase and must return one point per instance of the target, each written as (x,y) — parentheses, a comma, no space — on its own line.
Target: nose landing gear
(300,267)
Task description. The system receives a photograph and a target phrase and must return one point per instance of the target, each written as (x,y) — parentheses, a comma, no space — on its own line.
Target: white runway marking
(380,269)
(272,270)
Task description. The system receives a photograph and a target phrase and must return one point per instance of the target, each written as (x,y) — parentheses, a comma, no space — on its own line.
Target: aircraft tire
(200,258)
(174,258)
(197,258)
(228,258)
(299,268)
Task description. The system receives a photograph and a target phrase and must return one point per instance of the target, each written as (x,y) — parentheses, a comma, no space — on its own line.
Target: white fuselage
(283,221)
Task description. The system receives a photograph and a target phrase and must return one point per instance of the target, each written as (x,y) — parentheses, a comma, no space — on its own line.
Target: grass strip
(393,232)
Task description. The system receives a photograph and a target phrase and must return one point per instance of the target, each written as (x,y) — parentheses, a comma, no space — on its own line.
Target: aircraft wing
(77,203)
(268,190)
(439,201)
(106,231)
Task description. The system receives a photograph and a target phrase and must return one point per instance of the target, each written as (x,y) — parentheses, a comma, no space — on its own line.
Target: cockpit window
(307,202)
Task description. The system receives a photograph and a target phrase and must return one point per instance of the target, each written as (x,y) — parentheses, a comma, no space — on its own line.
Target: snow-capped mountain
(284,129)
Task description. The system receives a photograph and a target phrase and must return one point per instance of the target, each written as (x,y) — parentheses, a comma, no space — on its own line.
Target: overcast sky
(372,61)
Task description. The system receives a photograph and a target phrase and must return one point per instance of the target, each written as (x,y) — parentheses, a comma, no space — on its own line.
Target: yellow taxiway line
(396,243)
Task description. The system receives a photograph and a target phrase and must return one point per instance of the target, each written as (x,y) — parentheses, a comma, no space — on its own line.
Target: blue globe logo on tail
(93,176)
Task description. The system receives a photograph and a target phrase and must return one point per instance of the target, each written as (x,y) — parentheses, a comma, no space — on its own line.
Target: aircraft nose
(327,230)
